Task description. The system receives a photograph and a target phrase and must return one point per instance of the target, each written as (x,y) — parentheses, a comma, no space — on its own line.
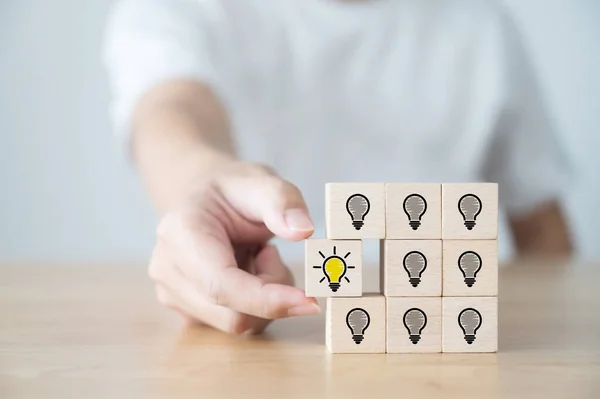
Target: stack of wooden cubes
(438,267)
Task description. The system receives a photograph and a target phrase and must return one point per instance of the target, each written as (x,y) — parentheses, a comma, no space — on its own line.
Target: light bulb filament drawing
(469,263)
(469,206)
(358,206)
(414,321)
(358,321)
(469,321)
(415,264)
(334,268)
(415,207)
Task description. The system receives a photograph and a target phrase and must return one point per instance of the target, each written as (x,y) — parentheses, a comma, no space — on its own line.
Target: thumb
(275,202)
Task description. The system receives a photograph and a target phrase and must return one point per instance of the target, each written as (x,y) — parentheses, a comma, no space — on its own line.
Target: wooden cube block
(470,211)
(470,268)
(333,268)
(356,325)
(411,268)
(470,324)
(413,211)
(414,325)
(355,210)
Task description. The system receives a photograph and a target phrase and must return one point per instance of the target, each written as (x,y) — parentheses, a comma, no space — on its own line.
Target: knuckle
(155,271)
(277,184)
(281,189)
(258,169)
(178,226)
(266,310)
(287,190)
(237,324)
(168,225)
(163,297)
(292,190)
(214,292)
(263,309)
(158,266)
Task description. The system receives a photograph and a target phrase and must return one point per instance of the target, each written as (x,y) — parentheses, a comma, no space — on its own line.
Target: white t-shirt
(380,90)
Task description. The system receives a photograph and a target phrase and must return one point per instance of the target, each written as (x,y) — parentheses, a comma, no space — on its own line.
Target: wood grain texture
(402,337)
(319,282)
(339,222)
(95,331)
(478,317)
(344,318)
(399,280)
(404,202)
(485,223)
(463,256)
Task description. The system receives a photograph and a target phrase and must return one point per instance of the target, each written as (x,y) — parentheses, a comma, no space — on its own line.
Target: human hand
(212,262)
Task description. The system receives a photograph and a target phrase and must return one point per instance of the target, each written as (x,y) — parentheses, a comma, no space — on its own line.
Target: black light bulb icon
(415,207)
(469,263)
(358,206)
(415,264)
(469,321)
(414,321)
(469,206)
(358,321)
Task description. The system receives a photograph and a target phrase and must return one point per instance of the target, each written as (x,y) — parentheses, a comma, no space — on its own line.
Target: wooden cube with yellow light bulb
(333,268)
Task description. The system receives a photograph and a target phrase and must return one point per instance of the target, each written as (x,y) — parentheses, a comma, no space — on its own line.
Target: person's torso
(382,90)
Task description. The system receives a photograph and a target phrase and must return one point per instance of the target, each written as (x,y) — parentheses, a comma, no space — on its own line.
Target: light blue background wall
(66,192)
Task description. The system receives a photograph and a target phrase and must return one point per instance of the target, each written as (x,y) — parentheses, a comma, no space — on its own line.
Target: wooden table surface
(95,331)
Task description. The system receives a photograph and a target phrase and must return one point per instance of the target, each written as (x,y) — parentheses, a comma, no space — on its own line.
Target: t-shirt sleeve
(526,156)
(148,42)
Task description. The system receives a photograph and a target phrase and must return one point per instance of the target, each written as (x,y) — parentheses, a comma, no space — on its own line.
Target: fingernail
(298,220)
(304,310)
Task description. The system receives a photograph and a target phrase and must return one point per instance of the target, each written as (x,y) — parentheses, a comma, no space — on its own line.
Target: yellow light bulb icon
(334,268)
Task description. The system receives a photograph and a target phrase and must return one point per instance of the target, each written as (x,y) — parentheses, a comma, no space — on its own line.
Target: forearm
(180,133)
